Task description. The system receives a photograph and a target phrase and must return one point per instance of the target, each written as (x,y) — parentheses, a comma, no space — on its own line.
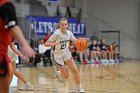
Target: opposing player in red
(9,28)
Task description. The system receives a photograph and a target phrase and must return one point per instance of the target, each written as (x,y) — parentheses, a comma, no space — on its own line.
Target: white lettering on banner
(44,27)
(77,28)
(41,27)
(70,26)
(82,28)
(74,28)
(50,28)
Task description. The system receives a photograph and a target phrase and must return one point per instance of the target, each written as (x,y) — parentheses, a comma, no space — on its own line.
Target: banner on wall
(52,0)
(42,25)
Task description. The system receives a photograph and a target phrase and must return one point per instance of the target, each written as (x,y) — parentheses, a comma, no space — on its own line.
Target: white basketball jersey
(63,39)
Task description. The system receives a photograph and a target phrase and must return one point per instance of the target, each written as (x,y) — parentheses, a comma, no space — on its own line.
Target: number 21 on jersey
(63,45)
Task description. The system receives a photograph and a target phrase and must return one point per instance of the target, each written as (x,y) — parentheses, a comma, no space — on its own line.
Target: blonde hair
(57,26)
(62,19)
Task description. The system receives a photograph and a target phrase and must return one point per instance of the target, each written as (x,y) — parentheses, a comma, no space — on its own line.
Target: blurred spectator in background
(47,36)
(41,47)
(113,52)
(92,49)
(103,51)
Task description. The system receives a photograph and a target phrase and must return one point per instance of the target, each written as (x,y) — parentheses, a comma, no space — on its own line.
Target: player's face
(63,25)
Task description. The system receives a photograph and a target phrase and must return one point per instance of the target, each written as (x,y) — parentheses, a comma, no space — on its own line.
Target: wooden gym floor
(104,78)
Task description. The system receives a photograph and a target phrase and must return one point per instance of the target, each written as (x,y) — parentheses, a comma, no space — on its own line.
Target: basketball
(81,44)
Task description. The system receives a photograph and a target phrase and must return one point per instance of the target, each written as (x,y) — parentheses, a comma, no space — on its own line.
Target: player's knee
(66,76)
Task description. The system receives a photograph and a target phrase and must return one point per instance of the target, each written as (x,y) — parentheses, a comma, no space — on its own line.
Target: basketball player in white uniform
(61,55)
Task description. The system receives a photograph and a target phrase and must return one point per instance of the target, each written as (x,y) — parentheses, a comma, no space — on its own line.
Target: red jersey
(111,48)
(5,39)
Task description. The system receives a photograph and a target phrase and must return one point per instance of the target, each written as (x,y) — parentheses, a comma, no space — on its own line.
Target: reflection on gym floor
(96,78)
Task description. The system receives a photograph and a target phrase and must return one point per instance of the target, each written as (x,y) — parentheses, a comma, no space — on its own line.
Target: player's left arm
(72,38)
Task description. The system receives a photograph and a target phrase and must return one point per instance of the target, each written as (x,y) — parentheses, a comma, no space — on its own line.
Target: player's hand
(28,51)
(25,58)
(56,43)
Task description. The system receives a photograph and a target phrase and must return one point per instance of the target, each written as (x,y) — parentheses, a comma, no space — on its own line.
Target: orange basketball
(81,44)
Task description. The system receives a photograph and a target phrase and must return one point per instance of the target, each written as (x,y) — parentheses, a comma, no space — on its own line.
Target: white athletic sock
(79,85)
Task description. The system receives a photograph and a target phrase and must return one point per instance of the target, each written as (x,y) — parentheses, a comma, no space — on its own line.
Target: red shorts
(4,66)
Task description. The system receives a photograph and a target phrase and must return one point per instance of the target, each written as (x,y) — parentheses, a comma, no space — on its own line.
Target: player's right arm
(9,16)
(48,43)
(52,40)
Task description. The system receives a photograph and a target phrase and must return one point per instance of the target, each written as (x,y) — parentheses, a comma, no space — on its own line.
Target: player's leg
(58,63)
(70,63)
(20,75)
(12,59)
(4,76)
(4,84)
(10,73)
(72,66)
(63,71)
